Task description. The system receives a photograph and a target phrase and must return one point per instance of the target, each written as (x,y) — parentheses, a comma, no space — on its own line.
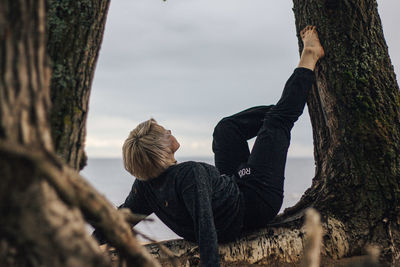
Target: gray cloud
(188,63)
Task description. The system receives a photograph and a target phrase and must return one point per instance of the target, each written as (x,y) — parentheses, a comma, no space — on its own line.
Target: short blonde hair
(146,151)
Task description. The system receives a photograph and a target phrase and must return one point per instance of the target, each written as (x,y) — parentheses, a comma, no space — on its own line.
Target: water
(110,178)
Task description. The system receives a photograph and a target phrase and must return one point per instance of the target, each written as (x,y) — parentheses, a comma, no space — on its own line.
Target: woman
(207,204)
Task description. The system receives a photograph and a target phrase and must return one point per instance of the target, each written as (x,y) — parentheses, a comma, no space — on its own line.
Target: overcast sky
(188,63)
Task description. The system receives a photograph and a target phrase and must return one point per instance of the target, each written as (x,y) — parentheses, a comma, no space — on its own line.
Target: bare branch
(314,231)
(132,218)
(168,253)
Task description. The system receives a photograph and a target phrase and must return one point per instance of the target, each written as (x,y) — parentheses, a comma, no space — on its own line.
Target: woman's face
(174,143)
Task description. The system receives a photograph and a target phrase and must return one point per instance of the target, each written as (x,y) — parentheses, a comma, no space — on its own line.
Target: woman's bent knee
(223,128)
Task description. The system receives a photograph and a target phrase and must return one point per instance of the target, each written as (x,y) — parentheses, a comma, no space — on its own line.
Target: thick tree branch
(281,242)
(77,192)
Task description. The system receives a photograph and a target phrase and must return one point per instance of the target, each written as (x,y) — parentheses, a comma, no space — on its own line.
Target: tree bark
(75,32)
(42,199)
(36,227)
(355,115)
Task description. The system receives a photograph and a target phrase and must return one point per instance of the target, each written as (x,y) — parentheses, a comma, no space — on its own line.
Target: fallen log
(282,242)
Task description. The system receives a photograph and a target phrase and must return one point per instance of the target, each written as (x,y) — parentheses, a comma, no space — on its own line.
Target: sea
(109,177)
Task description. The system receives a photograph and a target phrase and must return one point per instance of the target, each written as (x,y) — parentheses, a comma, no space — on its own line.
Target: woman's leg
(268,157)
(270,149)
(230,138)
(262,178)
(263,188)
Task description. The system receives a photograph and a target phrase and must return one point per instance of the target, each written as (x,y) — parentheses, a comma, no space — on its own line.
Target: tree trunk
(354,110)
(356,124)
(36,227)
(75,32)
(42,199)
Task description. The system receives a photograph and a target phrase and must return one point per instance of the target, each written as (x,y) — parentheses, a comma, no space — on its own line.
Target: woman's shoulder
(188,164)
(198,171)
(195,166)
(192,163)
(183,169)
(186,169)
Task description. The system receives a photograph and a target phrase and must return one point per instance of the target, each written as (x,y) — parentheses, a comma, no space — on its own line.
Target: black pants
(260,174)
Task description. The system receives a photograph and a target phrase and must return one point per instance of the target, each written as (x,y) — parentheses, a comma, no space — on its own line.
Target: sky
(189,63)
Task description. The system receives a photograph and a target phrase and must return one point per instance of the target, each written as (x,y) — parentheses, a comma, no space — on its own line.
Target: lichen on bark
(75,31)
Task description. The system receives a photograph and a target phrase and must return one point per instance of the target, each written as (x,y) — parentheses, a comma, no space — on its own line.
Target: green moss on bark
(75,31)
(357,140)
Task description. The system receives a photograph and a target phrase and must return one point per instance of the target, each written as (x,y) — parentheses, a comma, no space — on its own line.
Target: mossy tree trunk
(75,32)
(355,114)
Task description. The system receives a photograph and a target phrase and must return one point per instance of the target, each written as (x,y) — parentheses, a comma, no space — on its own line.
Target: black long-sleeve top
(196,202)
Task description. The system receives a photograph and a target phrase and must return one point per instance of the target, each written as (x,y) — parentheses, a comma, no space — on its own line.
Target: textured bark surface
(24,72)
(355,114)
(42,199)
(75,32)
(36,228)
(282,243)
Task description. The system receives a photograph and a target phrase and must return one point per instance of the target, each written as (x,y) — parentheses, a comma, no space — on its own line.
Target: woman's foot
(312,50)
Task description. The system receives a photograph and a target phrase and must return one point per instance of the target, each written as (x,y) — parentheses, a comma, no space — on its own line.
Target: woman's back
(185,192)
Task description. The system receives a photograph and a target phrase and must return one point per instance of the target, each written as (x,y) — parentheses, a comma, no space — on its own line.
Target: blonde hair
(146,151)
